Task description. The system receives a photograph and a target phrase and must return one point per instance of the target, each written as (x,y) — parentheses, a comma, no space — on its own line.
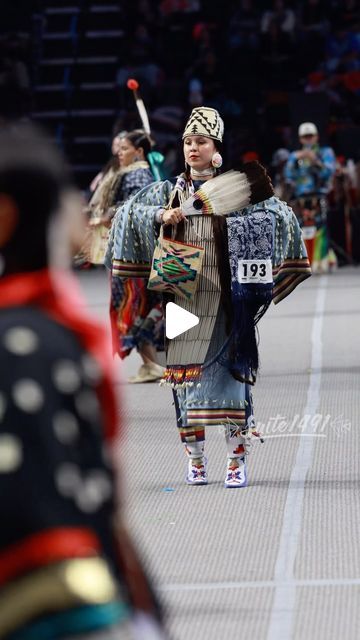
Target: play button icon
(178,320)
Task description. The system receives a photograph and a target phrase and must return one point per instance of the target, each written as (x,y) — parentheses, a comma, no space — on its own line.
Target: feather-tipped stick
(134,86)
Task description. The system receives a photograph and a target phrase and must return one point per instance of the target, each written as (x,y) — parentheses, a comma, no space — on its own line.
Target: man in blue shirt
(309,172)
(310,169)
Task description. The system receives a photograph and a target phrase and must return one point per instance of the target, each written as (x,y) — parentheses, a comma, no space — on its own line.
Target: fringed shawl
(250,237)
(266,230)
(110,186)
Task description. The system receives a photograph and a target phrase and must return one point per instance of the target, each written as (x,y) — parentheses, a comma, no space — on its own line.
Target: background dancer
(135,313)
(309,172)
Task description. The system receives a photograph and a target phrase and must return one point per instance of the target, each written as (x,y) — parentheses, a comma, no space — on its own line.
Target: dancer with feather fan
(253,254)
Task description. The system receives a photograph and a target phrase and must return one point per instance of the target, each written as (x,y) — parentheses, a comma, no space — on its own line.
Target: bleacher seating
(75,93)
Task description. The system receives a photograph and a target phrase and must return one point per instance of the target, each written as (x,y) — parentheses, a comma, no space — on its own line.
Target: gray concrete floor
(279,560)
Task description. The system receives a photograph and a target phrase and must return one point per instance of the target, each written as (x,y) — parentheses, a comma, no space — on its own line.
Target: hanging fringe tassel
(249,305)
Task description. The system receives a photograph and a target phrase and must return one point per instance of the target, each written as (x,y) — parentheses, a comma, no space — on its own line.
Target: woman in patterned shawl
(212,366)
(131,304)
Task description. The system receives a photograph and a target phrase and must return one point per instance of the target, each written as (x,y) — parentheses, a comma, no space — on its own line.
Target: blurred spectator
(351,81)
(309,173)
(316,82)
(201,34)
(331,85)
(343,209)
(206,71)
(195,93)
(243,30)
(313,17)
(142,66)
(309,170)
(277,43)
(280,16)
(342,50)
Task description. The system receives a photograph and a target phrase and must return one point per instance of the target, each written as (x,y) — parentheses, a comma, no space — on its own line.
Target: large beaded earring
(216,160)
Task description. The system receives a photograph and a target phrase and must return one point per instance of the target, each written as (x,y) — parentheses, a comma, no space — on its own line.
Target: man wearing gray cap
(309,172)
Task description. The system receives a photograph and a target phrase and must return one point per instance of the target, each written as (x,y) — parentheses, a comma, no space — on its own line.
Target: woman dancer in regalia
(213,366)
(135,313)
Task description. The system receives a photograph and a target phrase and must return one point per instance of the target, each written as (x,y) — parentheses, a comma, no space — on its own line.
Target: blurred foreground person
(67,566)
(309,172)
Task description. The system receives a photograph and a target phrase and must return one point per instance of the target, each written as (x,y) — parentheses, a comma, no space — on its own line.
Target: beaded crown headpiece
(205,121)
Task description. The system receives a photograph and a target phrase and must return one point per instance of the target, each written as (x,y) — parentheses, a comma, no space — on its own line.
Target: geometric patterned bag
(175,267)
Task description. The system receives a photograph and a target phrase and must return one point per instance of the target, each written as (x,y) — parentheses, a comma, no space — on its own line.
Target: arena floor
(279,560)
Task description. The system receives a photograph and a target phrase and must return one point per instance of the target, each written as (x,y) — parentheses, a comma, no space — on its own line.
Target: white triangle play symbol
(178,320)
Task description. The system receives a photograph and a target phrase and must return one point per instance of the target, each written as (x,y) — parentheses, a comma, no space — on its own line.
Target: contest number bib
(252,271)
